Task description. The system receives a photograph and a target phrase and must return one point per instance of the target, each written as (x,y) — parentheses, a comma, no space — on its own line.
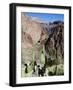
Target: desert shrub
(56,70)
(60,69)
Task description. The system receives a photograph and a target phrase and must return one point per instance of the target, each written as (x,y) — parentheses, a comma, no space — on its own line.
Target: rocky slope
(33,39)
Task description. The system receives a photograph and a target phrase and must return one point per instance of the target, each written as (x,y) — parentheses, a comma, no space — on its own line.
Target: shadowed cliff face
(55,44)
(43,44)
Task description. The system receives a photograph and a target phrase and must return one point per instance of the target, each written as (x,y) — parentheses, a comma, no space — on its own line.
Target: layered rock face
(43,44)
(33,39)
